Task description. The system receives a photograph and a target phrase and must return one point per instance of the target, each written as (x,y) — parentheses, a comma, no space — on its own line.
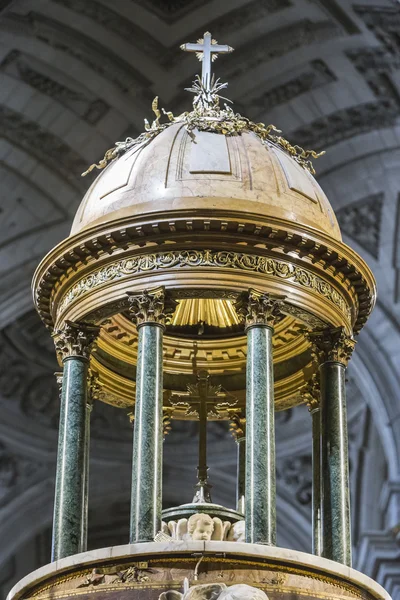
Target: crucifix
(207,51)
(202,398)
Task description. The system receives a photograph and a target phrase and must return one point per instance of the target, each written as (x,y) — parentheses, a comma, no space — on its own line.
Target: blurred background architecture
(77,75)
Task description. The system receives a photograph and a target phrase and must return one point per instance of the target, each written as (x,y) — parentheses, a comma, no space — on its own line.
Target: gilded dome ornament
(207,114)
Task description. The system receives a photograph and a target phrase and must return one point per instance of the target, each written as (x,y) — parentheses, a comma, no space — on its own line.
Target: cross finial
(207,51)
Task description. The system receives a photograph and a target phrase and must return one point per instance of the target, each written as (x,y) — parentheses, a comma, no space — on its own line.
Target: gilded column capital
(331,345)
(151,306)
(311,393)
(256,308)
(75,339)
(237,426)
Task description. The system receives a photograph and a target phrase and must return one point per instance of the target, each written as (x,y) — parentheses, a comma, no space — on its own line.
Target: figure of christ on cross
(202,397)
(207,51)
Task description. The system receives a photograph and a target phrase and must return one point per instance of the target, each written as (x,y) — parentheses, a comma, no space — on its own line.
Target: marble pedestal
(146,570)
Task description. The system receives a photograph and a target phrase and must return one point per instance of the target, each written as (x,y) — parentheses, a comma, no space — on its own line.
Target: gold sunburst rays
(213,312)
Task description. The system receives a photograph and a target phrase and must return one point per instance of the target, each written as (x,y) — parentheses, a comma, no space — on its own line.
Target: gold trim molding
(204,258)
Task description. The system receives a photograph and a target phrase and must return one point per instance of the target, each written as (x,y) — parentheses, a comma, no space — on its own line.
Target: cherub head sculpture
(200,527)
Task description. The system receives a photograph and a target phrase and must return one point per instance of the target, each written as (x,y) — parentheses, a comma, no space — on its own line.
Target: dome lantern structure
(205,278)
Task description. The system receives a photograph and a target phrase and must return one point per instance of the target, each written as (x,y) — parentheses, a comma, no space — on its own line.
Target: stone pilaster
(333,348)
(150,311)
(73,343)
(259,312)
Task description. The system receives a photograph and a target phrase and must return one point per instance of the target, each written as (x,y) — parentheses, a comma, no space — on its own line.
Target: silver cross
(207,51)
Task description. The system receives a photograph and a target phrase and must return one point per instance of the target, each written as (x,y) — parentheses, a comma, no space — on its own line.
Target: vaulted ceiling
(78,75)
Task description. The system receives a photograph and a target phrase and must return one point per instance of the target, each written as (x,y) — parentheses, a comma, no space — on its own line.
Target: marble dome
(179,173)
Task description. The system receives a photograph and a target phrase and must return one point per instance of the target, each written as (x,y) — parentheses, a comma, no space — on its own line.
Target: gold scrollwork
(200,258)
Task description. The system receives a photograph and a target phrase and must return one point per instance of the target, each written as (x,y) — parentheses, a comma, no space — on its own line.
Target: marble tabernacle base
(147,570)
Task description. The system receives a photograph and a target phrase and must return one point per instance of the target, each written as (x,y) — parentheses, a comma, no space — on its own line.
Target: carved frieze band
(204,258)
(75,339)
(331,345)
(151,306)
(256,308)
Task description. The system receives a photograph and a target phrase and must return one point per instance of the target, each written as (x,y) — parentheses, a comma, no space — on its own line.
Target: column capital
(237,426)
(151,306)
(258,308)
(331,345)
(311,393)
(75,339)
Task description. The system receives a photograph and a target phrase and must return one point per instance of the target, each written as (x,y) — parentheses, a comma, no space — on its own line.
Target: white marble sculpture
(202,527)
(215,591)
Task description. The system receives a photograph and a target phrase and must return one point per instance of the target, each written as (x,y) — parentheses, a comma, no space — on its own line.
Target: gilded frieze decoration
(204,258)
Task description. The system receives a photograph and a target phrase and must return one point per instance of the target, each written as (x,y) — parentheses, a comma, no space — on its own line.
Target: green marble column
(73,344)
(259,311)
(316,480)
(148,311)
(335,464)
(147,438)
(260,438)
(333,348)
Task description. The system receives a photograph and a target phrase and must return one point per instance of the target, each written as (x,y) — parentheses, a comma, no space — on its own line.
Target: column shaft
(335,464)
(241,475)
(146,502)
(260,438)
(68,505)
(316,482)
